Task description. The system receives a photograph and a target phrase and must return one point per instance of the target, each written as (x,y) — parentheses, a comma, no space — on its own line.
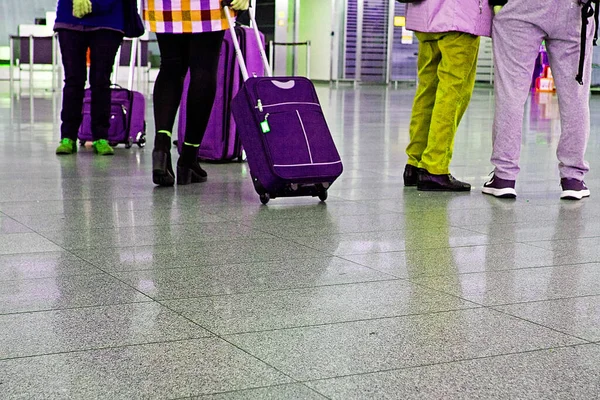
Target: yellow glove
(497,9)
(81,8)
(240,5)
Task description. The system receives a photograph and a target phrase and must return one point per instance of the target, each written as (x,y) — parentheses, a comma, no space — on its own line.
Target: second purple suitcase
(221,141)
(127,124)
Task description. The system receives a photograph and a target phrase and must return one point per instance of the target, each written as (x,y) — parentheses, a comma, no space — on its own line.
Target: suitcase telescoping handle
(236,42)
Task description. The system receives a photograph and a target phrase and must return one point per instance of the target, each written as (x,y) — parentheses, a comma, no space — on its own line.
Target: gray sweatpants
(518,31)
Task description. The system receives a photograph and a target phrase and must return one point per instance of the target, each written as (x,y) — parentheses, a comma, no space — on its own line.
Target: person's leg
(456,73)
(174,64)
(205,50)
(563,50)
(516,42)
(104,45)
(73,47)
(427,63)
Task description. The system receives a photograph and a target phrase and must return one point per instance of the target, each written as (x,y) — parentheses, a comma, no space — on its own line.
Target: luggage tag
(264,126)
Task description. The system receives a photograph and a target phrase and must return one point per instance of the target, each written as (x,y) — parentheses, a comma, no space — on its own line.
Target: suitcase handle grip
(236,43)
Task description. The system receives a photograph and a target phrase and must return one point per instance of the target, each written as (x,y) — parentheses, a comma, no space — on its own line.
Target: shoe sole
(410,184)
(506,193)
(427,188)
(574,194)
(186,176)
(161,179)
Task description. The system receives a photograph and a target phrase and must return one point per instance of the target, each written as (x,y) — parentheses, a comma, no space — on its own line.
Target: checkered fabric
(184,16)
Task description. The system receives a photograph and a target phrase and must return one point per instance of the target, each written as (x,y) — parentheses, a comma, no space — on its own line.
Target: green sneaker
(103,148)
(67,146)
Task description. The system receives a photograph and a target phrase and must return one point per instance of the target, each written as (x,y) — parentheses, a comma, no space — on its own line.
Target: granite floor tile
(15,243)
(252,215)
(565,373)
(325,225)
(39,333)
(154,371)
(283,392)
(201,254)
(42,265)
(520,286)
(65,292)
(9,225)
(249,277)
(152,235)
(92,219)
(370,346)
(313,306)
(533,231)
(408,239)
(579,316)
(457,260)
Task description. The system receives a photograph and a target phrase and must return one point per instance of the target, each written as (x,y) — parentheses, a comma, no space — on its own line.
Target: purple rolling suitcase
(221,141)
(127,113)
(283,130)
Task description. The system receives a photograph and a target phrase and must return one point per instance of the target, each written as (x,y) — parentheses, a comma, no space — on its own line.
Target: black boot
(440,183)
(162,168)
(411,174)
(188,168)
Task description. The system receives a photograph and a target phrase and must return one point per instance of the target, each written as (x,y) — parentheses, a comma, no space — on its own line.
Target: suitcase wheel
(129,143)
(141,142)
(264,198)
(323,195)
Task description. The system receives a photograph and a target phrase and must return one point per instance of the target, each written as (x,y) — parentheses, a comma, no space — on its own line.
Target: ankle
(189,154)
(162,141)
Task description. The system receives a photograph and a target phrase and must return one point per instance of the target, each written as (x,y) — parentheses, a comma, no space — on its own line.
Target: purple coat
(432,16)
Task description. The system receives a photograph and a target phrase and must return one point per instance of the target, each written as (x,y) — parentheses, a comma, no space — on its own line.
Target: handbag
(133,26)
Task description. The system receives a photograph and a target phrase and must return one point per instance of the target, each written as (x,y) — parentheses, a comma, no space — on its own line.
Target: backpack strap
(587,11)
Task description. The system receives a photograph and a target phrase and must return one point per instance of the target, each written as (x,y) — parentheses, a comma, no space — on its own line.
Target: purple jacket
(432,16)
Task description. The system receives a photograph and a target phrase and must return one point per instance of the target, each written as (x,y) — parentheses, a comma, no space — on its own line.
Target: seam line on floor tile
(105,348)
(219,337)
(253,388)
(491,308)
(76,308)
(450,362)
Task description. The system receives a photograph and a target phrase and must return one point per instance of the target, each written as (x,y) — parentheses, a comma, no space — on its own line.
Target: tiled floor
(111,288)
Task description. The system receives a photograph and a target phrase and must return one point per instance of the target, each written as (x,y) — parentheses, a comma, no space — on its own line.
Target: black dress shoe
(162,170)
(440,183)
(411,175)
(190,173)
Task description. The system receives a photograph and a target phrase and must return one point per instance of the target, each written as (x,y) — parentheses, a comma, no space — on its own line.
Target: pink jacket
(470,16)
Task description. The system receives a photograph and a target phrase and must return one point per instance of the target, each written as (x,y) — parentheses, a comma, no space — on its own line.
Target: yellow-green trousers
(447,63)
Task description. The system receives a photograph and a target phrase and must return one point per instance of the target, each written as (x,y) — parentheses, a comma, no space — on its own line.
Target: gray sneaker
(501,188)
(572,189)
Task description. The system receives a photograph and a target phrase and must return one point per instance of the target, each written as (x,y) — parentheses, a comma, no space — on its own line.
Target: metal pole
(30,62)
(12,60)
(132,62)
(117,64)
(54,64)
(390,38)
(296,35)
(138,63)
(308,59)
(271,53)
(359,35)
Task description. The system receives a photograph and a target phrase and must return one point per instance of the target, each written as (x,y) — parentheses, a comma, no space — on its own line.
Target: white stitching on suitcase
(290,103)
(305,137)
(307,165)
